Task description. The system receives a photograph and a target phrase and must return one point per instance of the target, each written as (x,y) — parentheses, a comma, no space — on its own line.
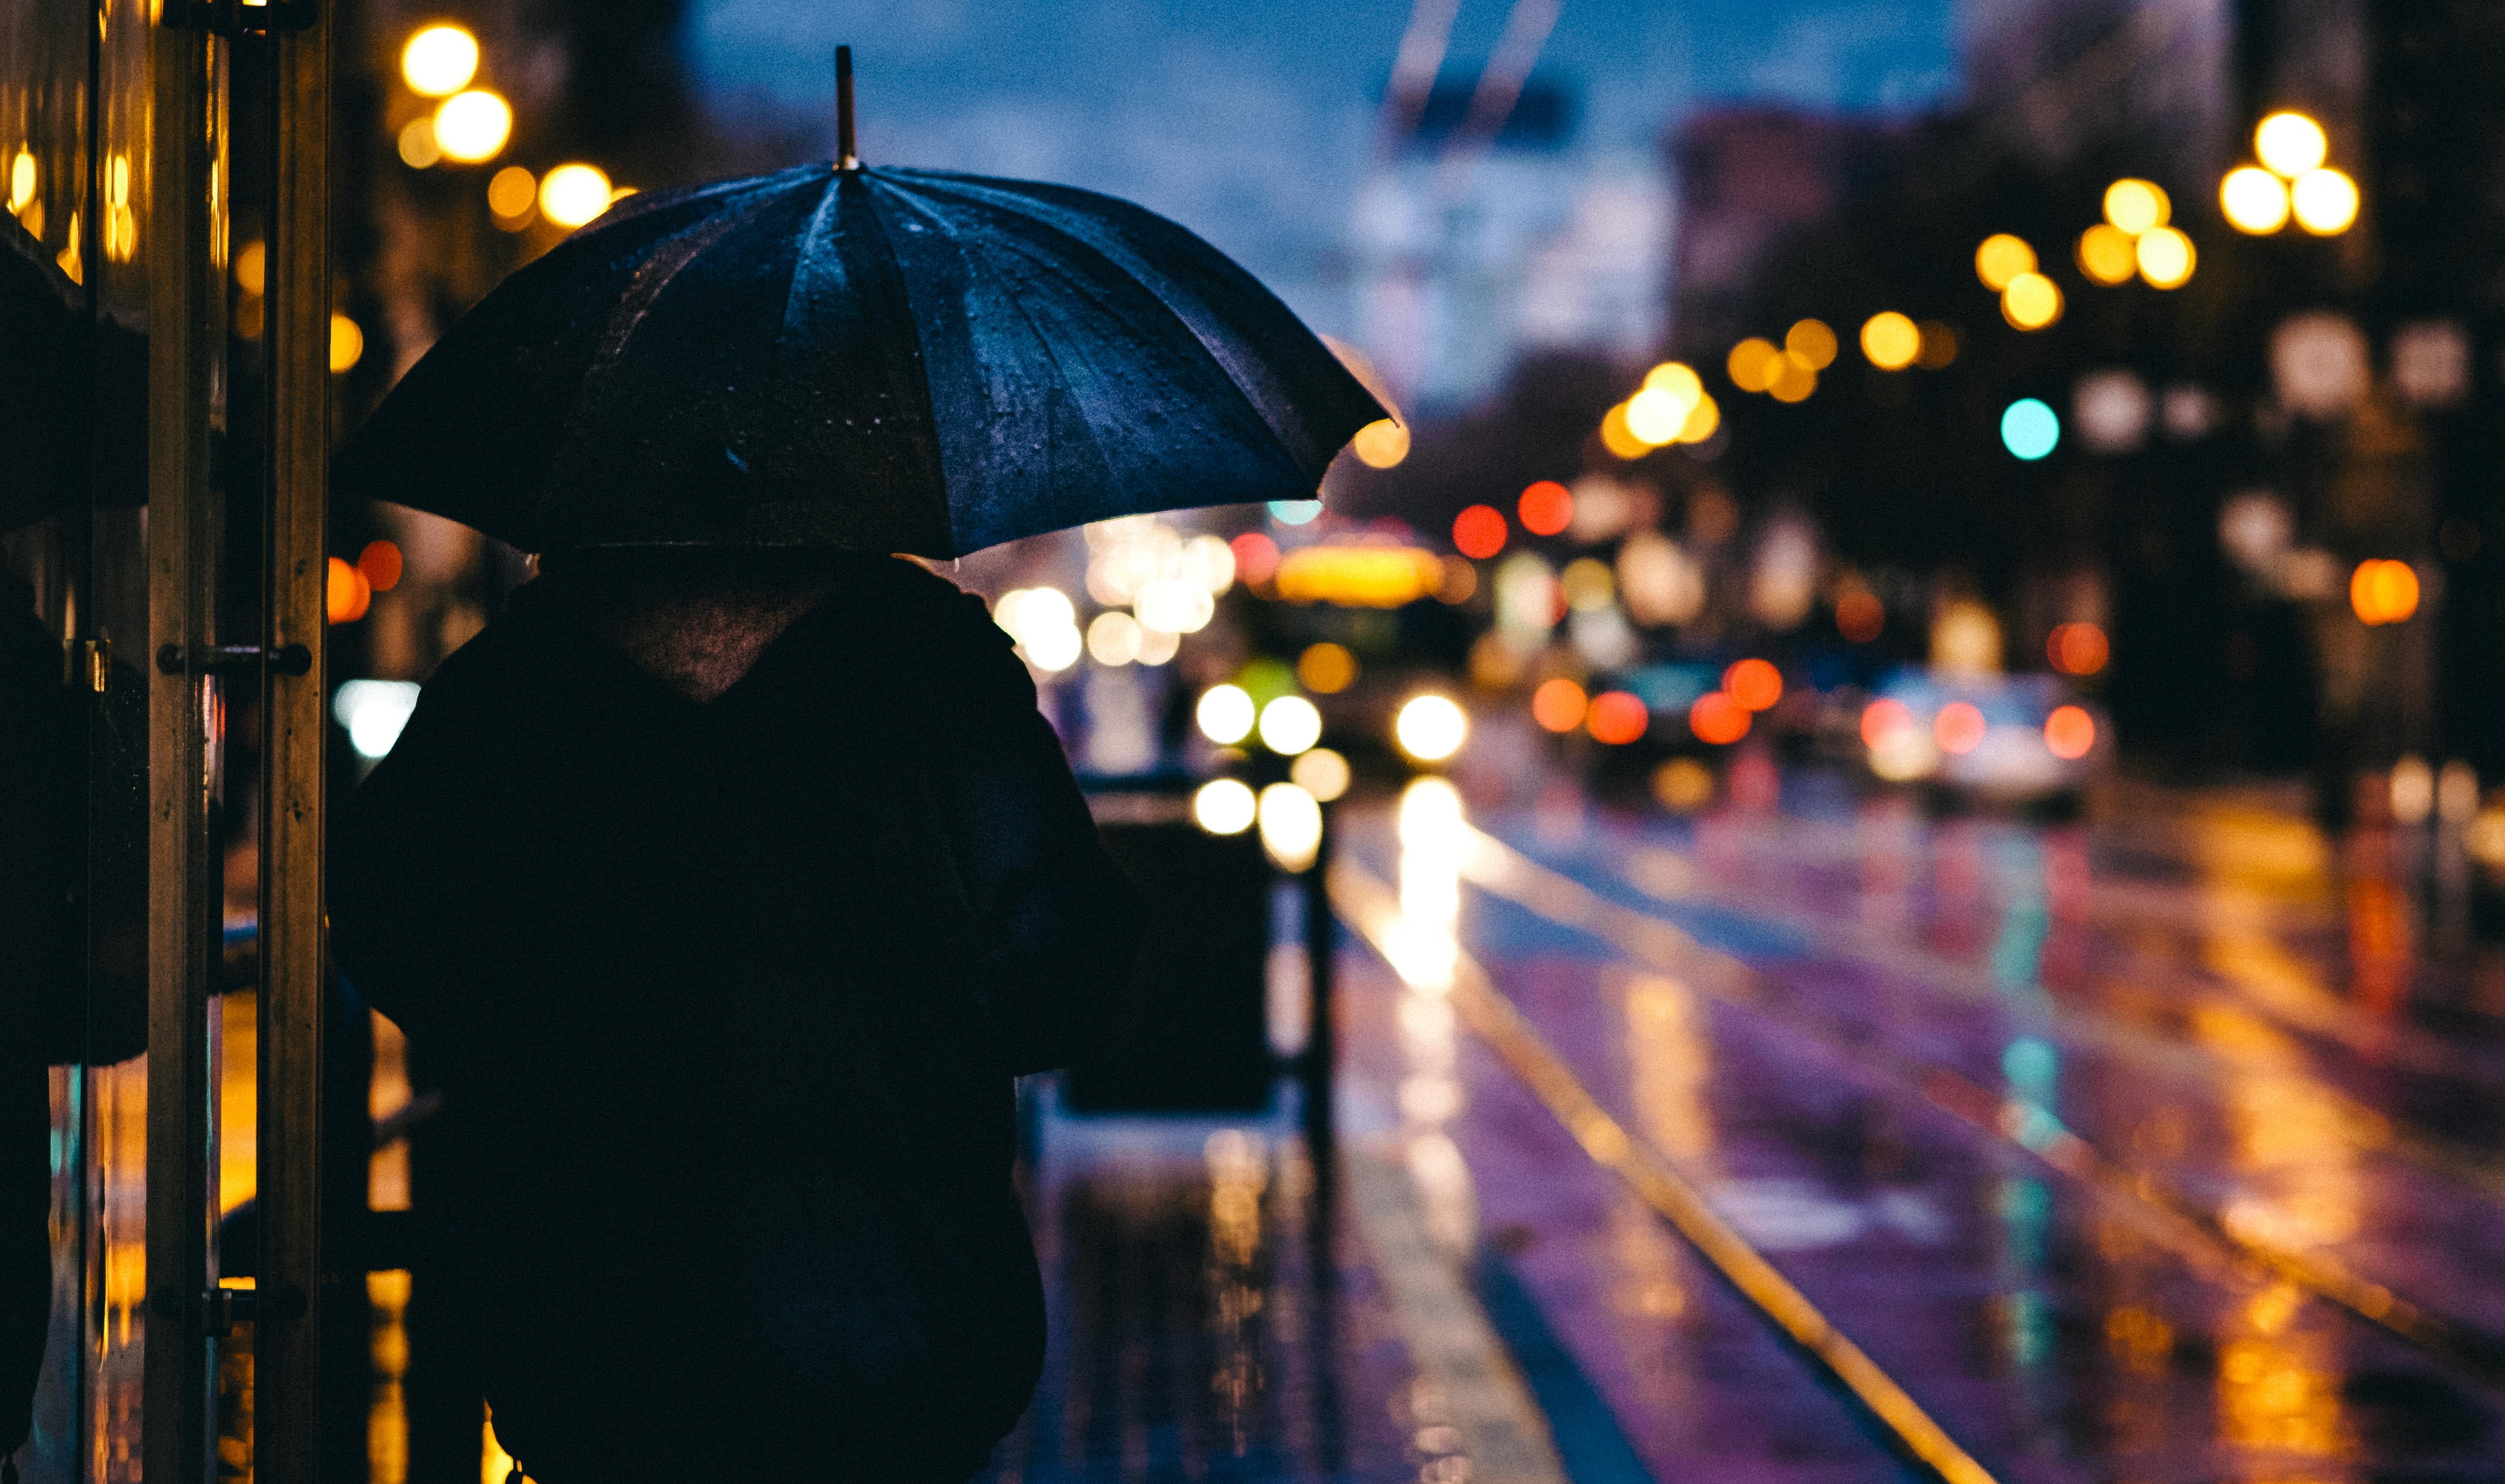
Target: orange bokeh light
(1617,717)
(2077,649)
(1754,683)
(1558,705)
(2384,591)
(1883,718)
(1859,616)
(1718,719)
(1958,728)
(1479,532)
(380,562)
(1547,507)
(1256,557)
(2069,732)
(346,594)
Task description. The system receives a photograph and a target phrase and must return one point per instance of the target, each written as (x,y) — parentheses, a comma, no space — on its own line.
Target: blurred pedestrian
(724,892)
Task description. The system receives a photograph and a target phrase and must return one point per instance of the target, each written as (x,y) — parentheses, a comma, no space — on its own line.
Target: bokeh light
(473,125)
(1683,785)
(1754,364)
(1256,557)
(381,563)
(2326,202)
(2077,649)
(347,343)
(1678,378)
(1890,340)
(2165,257)
(2000,259)
(1224,806)
(1479,532)
(1321,772)
(1327,668)
(1291,826)
(571,195)
(1959,729)
(1939,345)
(1619,439)
(2107,254)
(1811,343)
(440,61)
(1430,727)
(1289,724)
(1547,507)
(1588,584)
(2254,200)
(1755,684)
(1225,714)
(2069,732)
(1718,719)
(2290,143)
(1617,717)
(1558,705)
(1114,637)
(2383,592)
(2030,429)
(1882,719)
(1859,616)
(1380,443)
(416,145)
(2136,207)
(346,592)
(512,192)
(2031,302)
(374,712)
(1702,419)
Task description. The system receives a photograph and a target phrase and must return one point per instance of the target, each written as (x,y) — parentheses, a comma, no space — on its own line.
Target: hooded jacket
(725,1000)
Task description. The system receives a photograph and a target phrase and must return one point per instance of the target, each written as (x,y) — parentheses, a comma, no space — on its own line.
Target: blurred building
(1747,178)
(2067,80)
(1468,254)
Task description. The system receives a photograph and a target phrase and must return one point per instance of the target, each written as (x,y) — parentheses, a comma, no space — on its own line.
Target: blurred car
(2016,739)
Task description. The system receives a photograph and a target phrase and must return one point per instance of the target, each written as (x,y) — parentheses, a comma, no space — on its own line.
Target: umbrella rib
(980,195)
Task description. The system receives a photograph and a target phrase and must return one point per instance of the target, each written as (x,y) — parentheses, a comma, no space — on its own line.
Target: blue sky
(1250,122)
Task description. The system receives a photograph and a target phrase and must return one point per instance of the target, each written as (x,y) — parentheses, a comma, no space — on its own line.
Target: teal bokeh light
(2030,429)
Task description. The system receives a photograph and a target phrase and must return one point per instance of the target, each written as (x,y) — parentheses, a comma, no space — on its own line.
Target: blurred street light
(347,345)
(1430,727)
(2165,257)
(2001,258)
(2326,201)
(2384,591)
(1380,443)
(2107,254)
(2136,207)
(1890,340)
(571,195)
(2254,199)
(417,147)
(2031,302)
(2290,144)
(440,61)
(473,125)
(2030,429)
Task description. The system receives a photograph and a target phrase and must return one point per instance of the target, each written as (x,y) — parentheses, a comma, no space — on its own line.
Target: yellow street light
(1890,340)
(2002,258)
(1678,378)
(440,61)
(2290,143)
(1795,379)
(347,343)
(1380,443)
(1702,419)
(2254,200)
(1812,343)
(2165,257)
(510,194)
(2107,254)
(2326,201)
(2136,207)
(1754,364)
(2031,302)
(473,125)
(571,195)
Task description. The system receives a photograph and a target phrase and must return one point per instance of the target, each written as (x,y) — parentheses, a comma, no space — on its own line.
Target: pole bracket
(234,659)
(233,18)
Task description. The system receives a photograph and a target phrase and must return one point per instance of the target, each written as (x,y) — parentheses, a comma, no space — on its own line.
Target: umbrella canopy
(878,359)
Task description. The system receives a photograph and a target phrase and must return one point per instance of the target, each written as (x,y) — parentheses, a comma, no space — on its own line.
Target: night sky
(1250,123)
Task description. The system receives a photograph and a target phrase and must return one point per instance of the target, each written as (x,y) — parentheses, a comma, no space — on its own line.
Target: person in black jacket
(727,891)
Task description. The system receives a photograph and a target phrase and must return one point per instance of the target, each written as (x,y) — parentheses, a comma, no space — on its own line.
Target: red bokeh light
(1718,719)
(1958,728)
(2069,732)
(1883,718)
(1558,705)
(2077,649)
(1547,507)
(1754,683)
(1256,557)
(1859,616)
(1479,532)
(1617,717)
(380,562)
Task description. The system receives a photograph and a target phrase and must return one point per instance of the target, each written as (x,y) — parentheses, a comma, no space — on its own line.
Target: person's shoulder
(902,593)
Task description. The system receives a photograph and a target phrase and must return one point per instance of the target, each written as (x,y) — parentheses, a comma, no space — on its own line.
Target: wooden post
(287,1327)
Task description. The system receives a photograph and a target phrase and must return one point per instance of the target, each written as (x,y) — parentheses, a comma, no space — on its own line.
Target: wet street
(1827,1140)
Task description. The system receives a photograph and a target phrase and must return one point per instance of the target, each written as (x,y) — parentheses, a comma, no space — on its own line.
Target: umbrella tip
(845,158)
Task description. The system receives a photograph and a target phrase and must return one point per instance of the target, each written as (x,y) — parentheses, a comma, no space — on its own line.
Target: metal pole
(185,338)
(288,1326)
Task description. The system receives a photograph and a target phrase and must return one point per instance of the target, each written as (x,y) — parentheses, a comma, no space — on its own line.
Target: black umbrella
(879,359)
